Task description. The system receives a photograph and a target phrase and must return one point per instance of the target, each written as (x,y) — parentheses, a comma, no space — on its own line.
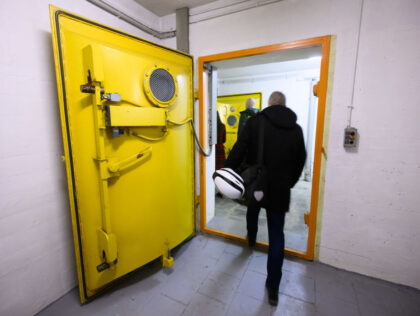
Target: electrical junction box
(350,137)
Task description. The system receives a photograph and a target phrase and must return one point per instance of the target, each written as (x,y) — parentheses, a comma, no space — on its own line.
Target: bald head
(250,103)
(277,98)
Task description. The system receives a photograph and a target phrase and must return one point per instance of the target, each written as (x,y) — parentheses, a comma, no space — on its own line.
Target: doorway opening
(295,69)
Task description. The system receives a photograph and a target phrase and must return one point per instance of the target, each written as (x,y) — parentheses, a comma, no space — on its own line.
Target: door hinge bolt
(89,88)
(103,266)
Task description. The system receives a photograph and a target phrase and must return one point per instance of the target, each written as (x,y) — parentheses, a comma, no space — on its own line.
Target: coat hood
(280,116)
(250,111)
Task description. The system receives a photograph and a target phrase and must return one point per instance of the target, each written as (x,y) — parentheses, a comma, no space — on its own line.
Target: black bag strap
(261,140)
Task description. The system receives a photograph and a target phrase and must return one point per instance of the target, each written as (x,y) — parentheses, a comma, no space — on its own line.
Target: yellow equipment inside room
(230,108)
(125,106)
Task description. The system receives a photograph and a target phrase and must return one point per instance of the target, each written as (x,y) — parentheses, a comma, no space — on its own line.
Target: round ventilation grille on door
(231,120)
(160,86)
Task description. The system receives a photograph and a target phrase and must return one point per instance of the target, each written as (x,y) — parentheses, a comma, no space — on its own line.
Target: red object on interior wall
(220,147)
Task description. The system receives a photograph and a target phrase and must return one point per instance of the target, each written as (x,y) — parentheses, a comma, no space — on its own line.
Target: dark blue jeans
(275,223)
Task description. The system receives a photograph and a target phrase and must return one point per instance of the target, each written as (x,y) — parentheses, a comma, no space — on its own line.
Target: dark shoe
(273,295)
(251,241)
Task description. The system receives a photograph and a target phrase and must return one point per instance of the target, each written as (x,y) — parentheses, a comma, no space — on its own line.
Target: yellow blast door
(230,108)
(125,107)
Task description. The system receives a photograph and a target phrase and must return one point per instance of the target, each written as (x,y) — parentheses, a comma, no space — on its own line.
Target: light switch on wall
(350,137)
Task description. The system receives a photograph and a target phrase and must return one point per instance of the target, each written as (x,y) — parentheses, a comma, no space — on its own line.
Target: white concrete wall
(37,264)
(371,210)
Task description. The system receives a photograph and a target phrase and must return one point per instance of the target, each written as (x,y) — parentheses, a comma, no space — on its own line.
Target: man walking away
(284,158)
(248,113)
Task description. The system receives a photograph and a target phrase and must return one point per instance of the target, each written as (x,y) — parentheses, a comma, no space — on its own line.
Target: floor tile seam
(253,297)
(218,256)
(152,295)
(207,277)
(235,254)
(236,276)
(259,272)
(297,298)
(219,244)
(214,299)
(228,306)
(227,288)
(245,270)
(284,267)
(247,266)
(298,272)
(174,299)
(227,274)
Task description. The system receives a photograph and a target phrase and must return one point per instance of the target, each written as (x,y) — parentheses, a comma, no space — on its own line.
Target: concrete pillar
(183,30)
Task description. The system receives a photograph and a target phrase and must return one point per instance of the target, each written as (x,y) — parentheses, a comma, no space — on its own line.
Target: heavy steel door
(125,106)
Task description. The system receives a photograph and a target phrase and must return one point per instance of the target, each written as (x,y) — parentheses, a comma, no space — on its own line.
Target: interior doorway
(293,68)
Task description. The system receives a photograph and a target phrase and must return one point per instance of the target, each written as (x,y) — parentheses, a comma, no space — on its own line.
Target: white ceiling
(262,70)
(273,57)
(271,63)
(165,7)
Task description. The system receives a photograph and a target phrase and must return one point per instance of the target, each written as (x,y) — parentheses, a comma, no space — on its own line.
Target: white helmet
(229,183)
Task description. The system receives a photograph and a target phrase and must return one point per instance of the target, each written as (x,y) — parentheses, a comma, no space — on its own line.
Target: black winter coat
(284,153)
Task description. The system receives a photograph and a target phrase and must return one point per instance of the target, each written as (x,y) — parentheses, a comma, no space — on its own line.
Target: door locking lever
(90,88)
(113,97)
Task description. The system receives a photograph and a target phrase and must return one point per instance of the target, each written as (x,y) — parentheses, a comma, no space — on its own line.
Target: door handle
(115,167)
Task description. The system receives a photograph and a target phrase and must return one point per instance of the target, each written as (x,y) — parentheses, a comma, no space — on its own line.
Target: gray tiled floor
(212,276)
(231,216)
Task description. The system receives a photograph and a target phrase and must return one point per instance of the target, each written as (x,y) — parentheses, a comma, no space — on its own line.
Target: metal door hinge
(306,218)
(90,88)
(107,246)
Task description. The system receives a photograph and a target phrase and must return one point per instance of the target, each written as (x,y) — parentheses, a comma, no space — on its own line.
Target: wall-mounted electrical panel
(350,137)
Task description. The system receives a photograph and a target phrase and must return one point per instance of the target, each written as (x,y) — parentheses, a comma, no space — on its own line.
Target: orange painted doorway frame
(324,42)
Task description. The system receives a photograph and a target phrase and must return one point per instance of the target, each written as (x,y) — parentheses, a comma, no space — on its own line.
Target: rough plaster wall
(37,264)
(169,42)
(371,211)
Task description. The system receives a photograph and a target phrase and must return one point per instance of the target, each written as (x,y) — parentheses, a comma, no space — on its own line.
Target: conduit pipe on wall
(121,15)
(196,15)
(351,106)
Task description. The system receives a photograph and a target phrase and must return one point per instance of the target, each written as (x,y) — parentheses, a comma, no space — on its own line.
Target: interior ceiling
(268,58)
(165,7)
(275,62)
(271,69)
